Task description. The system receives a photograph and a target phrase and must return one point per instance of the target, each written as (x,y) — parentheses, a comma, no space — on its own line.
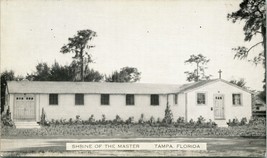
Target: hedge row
(134,130)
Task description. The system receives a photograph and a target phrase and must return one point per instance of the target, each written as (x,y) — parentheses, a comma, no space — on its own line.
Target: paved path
(215,146)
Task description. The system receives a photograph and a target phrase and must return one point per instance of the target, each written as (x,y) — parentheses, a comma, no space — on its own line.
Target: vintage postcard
(133,78)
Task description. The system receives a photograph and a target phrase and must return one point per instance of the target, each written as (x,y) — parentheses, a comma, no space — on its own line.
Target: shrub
(200,120)
(151,121)
(103,120)
(180,120)
(91,119)
(78,119)
(191,122)
(142,119)
(236,122)
(257,122)
(117,119)
(70,121)
(159,120)
(130,120)
(43,121)
(243,121)
(168,117)
(6,119)
(62,121)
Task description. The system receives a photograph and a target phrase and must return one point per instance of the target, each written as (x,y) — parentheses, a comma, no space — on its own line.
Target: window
(201,98)
(176,99)
(154,99)
(236,99)
(129,99)
(79,99)
(104,99)
(53,99)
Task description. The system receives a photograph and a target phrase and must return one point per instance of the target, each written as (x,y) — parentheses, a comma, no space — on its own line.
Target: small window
(201,98)
(53,99)
(129,99)
(176,99)
(154,99)
(257,108)
(236,99)
(104,99)
(79,99)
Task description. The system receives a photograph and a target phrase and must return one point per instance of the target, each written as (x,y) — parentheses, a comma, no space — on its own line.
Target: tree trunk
(81,58)
(197,72)
(263,30)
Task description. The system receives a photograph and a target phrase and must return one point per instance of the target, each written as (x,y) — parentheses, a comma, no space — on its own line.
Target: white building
(216,99)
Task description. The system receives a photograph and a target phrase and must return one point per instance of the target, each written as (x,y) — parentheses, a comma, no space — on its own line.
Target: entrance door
(24,109)
(218,106)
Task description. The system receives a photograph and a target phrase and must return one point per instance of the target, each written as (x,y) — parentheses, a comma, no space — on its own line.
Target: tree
(79,45)
(6,76)
(93,76)
(199,72)
(42,73)
(126,74)
(240,83)
(62,73)
(253,12)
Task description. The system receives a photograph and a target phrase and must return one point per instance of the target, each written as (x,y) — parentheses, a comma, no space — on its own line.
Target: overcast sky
(154,36)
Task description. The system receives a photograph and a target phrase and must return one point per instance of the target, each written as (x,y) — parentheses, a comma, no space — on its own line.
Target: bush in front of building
(6,119)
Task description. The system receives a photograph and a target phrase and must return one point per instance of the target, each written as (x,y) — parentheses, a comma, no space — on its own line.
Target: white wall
(67,109)
(11,104)
(231,111)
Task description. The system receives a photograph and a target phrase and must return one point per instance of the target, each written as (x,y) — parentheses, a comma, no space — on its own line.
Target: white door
(24,108)
(218,106)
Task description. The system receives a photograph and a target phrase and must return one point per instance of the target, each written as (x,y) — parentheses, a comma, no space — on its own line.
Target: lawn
(215,147)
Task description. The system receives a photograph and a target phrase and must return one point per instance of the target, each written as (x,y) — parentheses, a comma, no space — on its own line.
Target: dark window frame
(240,99)
(79,99)
(175,99)
(154,99)
(105,99)
(53,99)
(203,101)
(130,99)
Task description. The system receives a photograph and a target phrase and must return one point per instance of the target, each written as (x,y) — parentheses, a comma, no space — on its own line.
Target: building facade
(216,99)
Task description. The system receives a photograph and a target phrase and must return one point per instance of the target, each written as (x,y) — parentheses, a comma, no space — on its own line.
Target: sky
(154,36)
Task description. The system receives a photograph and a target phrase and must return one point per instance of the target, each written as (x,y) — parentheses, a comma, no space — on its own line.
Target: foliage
(142,119)
(235,122)
(168,117)
(103,120)
(240,83)
(130,120)
(126,74)
(117,119)
(180,120)
(91,119)
(43,120)
(80,47)
(62,73)
(253,13)
(6,118)
(133,130)
(151,121)
(198,73)
(255,127)
(7,76)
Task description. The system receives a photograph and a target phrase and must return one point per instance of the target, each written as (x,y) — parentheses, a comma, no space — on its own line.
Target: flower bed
(134,130)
